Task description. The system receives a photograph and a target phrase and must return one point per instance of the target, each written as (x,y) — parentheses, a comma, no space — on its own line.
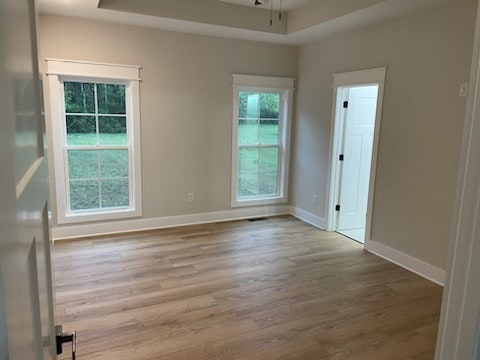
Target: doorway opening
(356,126)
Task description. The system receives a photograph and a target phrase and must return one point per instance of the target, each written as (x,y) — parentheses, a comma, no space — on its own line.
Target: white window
(262,108)
(95,128)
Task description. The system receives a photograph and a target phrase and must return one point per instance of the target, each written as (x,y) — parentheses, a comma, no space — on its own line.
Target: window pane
(248,131)
(268,159)
(112,130)
(257,172)
(111,99)
(249,113)
(270,115)
(249,105)
(247,184)
(114,163)
(83,164)
(259,105)
(81,130)
(84,194)
(259,115)
(79,97)
(267,183)
(115,193)
(269,106)
(248,159)
(268,132)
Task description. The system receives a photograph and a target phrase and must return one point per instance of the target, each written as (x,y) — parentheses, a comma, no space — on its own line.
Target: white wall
(186,102)
(428,57)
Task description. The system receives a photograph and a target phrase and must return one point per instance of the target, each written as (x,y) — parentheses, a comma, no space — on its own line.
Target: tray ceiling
(287,5)
(306,21)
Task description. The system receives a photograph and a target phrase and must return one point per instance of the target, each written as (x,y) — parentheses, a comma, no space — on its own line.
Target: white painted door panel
(358,131)
(26,304)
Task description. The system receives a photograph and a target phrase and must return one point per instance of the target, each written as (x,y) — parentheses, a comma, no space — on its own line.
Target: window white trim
(64,70)
(263,81)
(93,69)
(283,86)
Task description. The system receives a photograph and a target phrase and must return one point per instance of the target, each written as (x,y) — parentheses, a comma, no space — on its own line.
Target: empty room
(239,179)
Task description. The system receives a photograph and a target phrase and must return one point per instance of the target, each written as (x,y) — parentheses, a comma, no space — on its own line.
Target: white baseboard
(112,227)
(408,262)
(309,218)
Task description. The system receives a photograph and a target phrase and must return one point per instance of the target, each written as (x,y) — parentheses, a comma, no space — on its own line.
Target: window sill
(256,202)
(98,216)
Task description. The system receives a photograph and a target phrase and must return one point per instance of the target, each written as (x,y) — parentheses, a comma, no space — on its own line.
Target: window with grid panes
(260,143)
(95,130)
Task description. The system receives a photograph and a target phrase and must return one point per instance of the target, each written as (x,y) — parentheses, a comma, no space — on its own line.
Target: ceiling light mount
(272,6)
(271,10)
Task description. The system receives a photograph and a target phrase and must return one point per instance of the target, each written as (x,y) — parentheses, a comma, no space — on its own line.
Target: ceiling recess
(287,5)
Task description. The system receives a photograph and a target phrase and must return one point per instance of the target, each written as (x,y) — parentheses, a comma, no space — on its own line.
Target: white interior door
(26,296)
(356,157)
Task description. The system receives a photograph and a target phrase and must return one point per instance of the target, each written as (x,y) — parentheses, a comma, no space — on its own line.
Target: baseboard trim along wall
(309,218)
(125,226)
(406,261)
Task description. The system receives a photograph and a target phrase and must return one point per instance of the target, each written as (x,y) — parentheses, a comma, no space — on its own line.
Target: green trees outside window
(97,156)
(258,138)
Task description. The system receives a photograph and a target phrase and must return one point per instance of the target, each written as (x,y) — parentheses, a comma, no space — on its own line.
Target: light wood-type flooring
(269,289)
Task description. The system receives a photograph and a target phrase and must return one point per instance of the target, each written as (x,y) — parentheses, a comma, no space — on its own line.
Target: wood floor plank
(397,347)
(271,289)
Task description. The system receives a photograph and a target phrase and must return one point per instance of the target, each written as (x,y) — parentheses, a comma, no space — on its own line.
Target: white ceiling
(381,11)
(286,5)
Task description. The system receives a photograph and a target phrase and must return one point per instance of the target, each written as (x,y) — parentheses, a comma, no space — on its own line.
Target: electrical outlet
(463,90)
(314,199)
(191,197)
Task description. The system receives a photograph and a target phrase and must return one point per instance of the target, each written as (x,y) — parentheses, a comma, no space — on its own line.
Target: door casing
(459,328)
(341,80)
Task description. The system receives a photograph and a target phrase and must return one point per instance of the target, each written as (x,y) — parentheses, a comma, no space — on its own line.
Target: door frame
(459,329)
(356,78)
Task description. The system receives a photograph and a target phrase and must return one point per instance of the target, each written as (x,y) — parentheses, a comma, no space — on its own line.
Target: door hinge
(337,208)
(345,104)
(341,157)
(62,338)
